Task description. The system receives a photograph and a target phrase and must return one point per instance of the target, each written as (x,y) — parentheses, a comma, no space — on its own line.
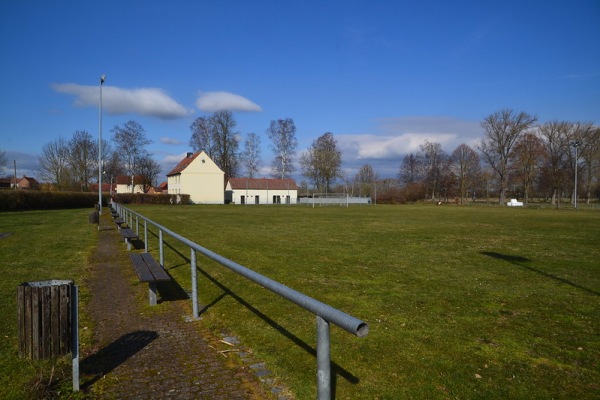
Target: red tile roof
(126,180)
(263,184)
(183,164)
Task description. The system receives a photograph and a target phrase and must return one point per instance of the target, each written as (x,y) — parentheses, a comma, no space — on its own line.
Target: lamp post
(575,144)
(102,79)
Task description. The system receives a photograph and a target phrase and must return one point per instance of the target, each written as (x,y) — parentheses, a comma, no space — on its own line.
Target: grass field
(462,302)
(41,245)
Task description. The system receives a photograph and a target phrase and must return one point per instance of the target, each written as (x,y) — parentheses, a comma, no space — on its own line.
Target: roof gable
(189,160)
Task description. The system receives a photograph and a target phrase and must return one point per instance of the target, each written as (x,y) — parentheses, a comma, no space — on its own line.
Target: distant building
(125,183)
(26,183)
(198,176)
(261,191)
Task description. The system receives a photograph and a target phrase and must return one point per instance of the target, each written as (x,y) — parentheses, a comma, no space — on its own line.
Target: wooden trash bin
(45,318)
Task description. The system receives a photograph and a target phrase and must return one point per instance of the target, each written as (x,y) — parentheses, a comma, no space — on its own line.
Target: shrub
(17,200)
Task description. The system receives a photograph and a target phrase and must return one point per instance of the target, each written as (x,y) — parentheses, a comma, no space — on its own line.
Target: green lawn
(42,245)
(462,302)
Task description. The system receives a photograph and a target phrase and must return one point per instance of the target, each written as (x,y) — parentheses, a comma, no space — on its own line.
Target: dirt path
(144,352)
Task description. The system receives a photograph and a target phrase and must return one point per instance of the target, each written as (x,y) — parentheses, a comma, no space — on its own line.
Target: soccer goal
(329,199)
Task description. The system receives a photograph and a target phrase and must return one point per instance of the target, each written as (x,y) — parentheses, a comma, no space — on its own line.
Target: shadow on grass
(520,262)
(171,290)
(335,368)
(107,359)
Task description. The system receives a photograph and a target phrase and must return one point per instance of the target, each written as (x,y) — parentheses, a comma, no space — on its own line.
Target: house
(199,177)
(261,191)
(124,184)
(106,187)
(160,189)
(28,183)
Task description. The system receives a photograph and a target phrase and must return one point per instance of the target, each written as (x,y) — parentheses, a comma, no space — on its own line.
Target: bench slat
(159,273)
(128,233)
(141,268)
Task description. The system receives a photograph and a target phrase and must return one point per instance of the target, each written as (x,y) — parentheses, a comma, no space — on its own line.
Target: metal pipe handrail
(325,313)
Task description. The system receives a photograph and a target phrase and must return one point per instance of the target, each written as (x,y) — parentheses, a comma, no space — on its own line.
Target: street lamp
(102,79)
(575,144)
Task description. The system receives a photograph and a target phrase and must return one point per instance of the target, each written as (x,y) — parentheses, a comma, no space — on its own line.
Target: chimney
(189,155)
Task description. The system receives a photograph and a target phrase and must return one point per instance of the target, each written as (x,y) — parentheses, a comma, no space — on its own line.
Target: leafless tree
(225,142)
(284,144)
(365,179)
(83,158)
(502,130)
(434,160)
(251,154)
(54,163)
(202,136)
(527,160)
(3,161)
(322,162)
(556,137)
(588,137)
(149,170)
(411,169)
(131,144)
(465,166)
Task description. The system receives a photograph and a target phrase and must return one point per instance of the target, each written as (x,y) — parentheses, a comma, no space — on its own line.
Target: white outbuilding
(198,176)
(261,191)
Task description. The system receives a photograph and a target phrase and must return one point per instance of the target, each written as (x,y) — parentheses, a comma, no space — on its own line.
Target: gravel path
(142,352)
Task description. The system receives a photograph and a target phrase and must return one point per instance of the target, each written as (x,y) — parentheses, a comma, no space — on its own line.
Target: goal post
(329,199)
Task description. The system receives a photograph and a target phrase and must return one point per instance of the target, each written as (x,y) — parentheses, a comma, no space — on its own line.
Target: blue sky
(383,76)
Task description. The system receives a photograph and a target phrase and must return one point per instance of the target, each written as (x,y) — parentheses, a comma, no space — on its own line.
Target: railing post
(137,225)
(194,284)
(323,360)
(145,236)
(160,247)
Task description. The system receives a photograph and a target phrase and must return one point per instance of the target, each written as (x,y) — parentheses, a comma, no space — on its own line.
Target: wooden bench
(128,234)
(148,270)
(119,222)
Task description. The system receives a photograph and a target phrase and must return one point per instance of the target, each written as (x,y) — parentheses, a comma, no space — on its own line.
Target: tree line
(72,164)
(517,157)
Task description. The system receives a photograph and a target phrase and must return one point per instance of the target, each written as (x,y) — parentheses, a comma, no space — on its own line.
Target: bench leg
(152,293)
(128,244)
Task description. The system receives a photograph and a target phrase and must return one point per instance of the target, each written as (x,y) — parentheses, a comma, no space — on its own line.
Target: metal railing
(325,313)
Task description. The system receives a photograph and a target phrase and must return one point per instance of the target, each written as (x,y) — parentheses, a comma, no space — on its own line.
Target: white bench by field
(514,203)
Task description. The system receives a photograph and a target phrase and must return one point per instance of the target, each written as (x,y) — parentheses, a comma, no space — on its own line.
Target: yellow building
(198,176)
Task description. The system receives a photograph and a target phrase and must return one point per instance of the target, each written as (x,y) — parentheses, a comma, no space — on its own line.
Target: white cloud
(170,141)
(144,101)
(221,101)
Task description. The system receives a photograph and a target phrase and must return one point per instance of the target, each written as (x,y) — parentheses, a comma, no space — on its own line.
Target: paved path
(142,352)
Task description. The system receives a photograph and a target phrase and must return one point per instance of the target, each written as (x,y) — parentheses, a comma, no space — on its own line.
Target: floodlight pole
(102,79)
(575,144)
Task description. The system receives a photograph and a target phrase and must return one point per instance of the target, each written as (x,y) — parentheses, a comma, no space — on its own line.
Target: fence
(325,314)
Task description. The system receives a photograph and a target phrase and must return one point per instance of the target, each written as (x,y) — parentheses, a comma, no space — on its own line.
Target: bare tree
(527,160)
(556,137)
(225,142)
(283,136)
(3,161)
(54,163)
(322,161)
(434,159)
(465,166)
(131,141)
(149,170)
(202,136)
(411,169)
(251,154)
(588,138)
(502,130)
(366,178)
(83,158)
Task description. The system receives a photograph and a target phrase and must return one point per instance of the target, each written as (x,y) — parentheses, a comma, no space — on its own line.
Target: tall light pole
(576,145)
(102,79)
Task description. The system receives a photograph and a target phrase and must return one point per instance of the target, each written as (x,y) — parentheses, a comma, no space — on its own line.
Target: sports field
(462,302)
